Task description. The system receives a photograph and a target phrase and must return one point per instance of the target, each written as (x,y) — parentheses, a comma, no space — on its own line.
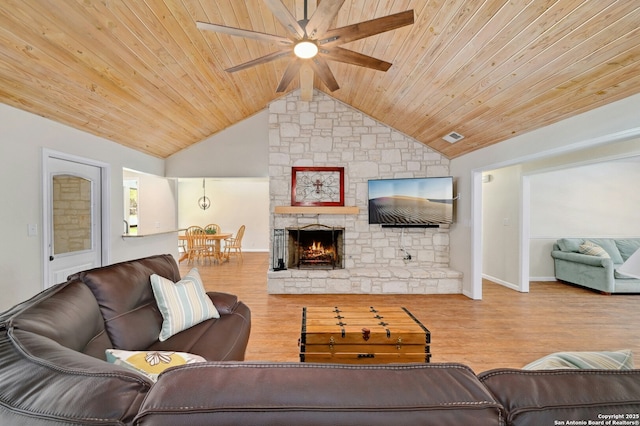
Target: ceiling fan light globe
(305,50)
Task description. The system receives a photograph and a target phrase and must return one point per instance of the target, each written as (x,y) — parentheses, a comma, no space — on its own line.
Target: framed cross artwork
(317,186)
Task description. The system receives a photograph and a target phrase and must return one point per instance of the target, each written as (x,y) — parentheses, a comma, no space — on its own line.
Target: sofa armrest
(588,271)
(225,303)
(221,339)
(542,397)
(582,258)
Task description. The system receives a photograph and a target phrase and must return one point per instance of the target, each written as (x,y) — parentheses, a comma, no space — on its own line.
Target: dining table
(217,237)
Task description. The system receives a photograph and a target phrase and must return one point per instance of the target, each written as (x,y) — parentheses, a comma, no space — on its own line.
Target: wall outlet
(32,230)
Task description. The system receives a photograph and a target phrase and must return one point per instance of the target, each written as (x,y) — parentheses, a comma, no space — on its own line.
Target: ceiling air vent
(453,137)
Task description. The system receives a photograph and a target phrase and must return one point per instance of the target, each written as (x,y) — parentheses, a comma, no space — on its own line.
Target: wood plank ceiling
(139,72)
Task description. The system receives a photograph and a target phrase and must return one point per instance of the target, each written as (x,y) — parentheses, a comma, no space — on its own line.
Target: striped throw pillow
(613,360)
(592,249)
(182,304)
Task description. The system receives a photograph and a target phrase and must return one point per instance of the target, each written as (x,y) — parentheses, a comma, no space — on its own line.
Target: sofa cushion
(73,318)
(592,249)
(183,304)
(150,363)
(132,322)
(611,360)
(627,247)
(610,246)
(570,244)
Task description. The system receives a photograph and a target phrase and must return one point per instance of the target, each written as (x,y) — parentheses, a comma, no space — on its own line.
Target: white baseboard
(501,282)
(514,286)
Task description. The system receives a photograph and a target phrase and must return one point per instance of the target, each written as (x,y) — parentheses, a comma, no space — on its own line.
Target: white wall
(551,218)
(501,224)
(234,202)
(157,204)
(597,200)
(613,122)
(238,158)
(22,140)
(241,150)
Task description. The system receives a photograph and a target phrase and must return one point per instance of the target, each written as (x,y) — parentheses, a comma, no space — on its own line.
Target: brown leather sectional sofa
(53,372)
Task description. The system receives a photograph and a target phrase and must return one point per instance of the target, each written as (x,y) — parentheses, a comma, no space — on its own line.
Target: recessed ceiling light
(453,137)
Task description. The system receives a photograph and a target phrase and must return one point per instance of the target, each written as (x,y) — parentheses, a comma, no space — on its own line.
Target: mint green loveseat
(596,272)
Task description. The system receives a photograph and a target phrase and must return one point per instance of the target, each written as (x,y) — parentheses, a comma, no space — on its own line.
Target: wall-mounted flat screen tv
(411,202)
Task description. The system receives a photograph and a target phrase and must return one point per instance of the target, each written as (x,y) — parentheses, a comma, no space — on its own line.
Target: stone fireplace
(315,247)
(342,253)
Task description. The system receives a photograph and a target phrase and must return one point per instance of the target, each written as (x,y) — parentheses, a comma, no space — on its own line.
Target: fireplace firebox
(315,247)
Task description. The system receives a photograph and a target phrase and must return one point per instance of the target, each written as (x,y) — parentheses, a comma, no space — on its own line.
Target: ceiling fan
(311,43)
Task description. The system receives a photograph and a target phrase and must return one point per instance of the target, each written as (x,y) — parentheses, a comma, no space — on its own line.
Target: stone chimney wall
(325,132)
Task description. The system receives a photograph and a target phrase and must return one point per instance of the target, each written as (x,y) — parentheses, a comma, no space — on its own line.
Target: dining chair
(196,243)
(235,244)
(212,226)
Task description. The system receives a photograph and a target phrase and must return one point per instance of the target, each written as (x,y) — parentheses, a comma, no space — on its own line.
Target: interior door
(74,214)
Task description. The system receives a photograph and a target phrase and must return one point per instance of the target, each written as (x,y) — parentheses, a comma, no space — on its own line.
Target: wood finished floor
(505,329)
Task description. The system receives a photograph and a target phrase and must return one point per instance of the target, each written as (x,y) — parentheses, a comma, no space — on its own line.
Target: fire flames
(316,247)
(317,251)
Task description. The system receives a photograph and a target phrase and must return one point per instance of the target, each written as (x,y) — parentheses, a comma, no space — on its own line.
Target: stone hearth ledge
(412,280)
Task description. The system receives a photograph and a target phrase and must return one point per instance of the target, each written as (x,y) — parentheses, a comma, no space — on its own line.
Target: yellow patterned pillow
(150,363)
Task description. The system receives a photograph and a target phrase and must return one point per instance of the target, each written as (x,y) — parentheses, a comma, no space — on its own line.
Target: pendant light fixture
(204,202)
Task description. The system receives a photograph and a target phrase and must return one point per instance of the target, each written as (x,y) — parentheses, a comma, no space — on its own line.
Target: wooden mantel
(317,210)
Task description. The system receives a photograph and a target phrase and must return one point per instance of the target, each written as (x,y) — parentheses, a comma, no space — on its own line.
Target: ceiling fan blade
(306,82)
(364,29)
(322,70)
(321,19)
(354,58)
(261,60)
(271,38)
(285,17)
(289,74)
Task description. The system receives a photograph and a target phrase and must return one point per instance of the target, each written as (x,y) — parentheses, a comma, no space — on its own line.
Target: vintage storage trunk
(363,335)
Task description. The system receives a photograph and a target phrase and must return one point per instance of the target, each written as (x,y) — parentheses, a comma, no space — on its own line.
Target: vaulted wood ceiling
(139,72)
